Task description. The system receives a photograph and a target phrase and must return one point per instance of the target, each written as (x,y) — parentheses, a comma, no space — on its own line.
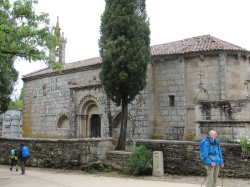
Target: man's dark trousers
(22,163)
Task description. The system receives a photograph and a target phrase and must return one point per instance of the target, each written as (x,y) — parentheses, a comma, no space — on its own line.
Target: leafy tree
(125,50)
(8,77)
(17,104)
(21,95)
(23,34)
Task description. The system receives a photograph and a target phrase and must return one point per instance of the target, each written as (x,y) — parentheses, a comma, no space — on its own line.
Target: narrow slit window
(171,100)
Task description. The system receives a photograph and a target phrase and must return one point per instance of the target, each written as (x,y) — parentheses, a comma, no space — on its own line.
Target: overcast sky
(170,20)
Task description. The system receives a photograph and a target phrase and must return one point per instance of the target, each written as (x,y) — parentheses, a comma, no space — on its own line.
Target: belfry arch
(90,124)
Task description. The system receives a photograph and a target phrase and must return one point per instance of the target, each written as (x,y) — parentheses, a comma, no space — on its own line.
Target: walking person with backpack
(14,158)
(211,155)
(23,156)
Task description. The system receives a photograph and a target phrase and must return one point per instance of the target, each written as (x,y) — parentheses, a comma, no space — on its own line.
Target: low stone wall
(54,153)
(118,157)
(183,157)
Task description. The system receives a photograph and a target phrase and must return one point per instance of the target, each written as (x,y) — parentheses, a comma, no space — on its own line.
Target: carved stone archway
(90,122)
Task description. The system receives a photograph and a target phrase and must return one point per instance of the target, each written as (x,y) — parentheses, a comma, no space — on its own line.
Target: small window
(171,100)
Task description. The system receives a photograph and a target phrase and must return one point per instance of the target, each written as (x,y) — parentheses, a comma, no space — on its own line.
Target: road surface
(40,177)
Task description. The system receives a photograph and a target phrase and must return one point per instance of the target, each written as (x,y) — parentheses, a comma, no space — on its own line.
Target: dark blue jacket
(212,152)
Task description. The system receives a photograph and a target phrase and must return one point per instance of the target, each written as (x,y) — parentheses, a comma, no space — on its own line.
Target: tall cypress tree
(125,50)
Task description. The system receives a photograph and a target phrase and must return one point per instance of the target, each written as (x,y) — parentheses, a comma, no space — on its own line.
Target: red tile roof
(68,66)
(203,43)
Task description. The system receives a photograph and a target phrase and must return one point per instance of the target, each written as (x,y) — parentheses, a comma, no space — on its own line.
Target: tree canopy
(23,34)
(125,50)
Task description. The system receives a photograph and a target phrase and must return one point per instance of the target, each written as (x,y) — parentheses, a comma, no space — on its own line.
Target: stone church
(73,104)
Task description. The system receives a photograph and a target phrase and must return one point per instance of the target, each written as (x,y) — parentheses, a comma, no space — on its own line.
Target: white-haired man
(212,158)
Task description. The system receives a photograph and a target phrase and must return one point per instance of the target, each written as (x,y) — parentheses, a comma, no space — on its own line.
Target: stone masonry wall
(118,157)
(222,76)
(46,99)
(52,153)
(236,72)
(183,157)
(209,70)
(229,118)
(169,80)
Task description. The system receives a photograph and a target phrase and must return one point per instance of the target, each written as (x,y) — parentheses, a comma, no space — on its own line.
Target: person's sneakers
(22,173)
(16,169)
(10,169)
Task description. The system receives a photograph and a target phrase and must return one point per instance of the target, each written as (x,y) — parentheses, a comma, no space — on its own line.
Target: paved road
(46,178)
(39,177)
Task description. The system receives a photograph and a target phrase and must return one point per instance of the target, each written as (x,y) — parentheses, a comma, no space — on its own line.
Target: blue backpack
(201,148)
(25,152)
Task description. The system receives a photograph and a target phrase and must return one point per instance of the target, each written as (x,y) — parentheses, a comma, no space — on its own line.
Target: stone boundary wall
(183,157)
(118,157)
(54,153)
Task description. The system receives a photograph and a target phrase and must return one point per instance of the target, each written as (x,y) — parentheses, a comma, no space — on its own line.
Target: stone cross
(201,74)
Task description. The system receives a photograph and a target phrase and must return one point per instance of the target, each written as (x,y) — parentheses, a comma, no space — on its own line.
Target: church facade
(73,104)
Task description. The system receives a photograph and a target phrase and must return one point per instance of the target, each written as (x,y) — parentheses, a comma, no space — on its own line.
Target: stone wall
(67,98)
(221,75)
(53,153)
(118,157)
(169,81)
(183,157)
(230,118)
(47,99)
(236,72)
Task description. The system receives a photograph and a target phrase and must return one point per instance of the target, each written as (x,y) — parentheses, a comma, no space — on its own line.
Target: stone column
(222,75)
(72,116)
(84,122)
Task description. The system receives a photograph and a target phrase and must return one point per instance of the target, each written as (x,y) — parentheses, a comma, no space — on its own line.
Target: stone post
(158,169)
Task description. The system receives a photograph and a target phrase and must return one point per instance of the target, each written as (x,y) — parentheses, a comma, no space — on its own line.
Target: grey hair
(213,132)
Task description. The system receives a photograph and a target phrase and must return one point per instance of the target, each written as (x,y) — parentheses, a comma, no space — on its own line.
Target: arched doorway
(90,125)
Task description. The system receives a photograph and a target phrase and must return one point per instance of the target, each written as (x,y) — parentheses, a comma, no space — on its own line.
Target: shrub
(107,169)
(141,161)
(245,146)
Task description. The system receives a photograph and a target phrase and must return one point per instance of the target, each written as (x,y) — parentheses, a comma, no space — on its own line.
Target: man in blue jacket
(22,160)
(212,158)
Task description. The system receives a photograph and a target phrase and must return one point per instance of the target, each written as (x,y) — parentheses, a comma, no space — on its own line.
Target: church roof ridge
(204,43)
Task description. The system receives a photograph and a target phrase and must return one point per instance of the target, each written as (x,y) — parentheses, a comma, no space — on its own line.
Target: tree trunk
(110,120)
(123,132)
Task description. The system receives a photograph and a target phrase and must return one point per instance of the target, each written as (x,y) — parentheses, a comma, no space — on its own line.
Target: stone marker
(158,169)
